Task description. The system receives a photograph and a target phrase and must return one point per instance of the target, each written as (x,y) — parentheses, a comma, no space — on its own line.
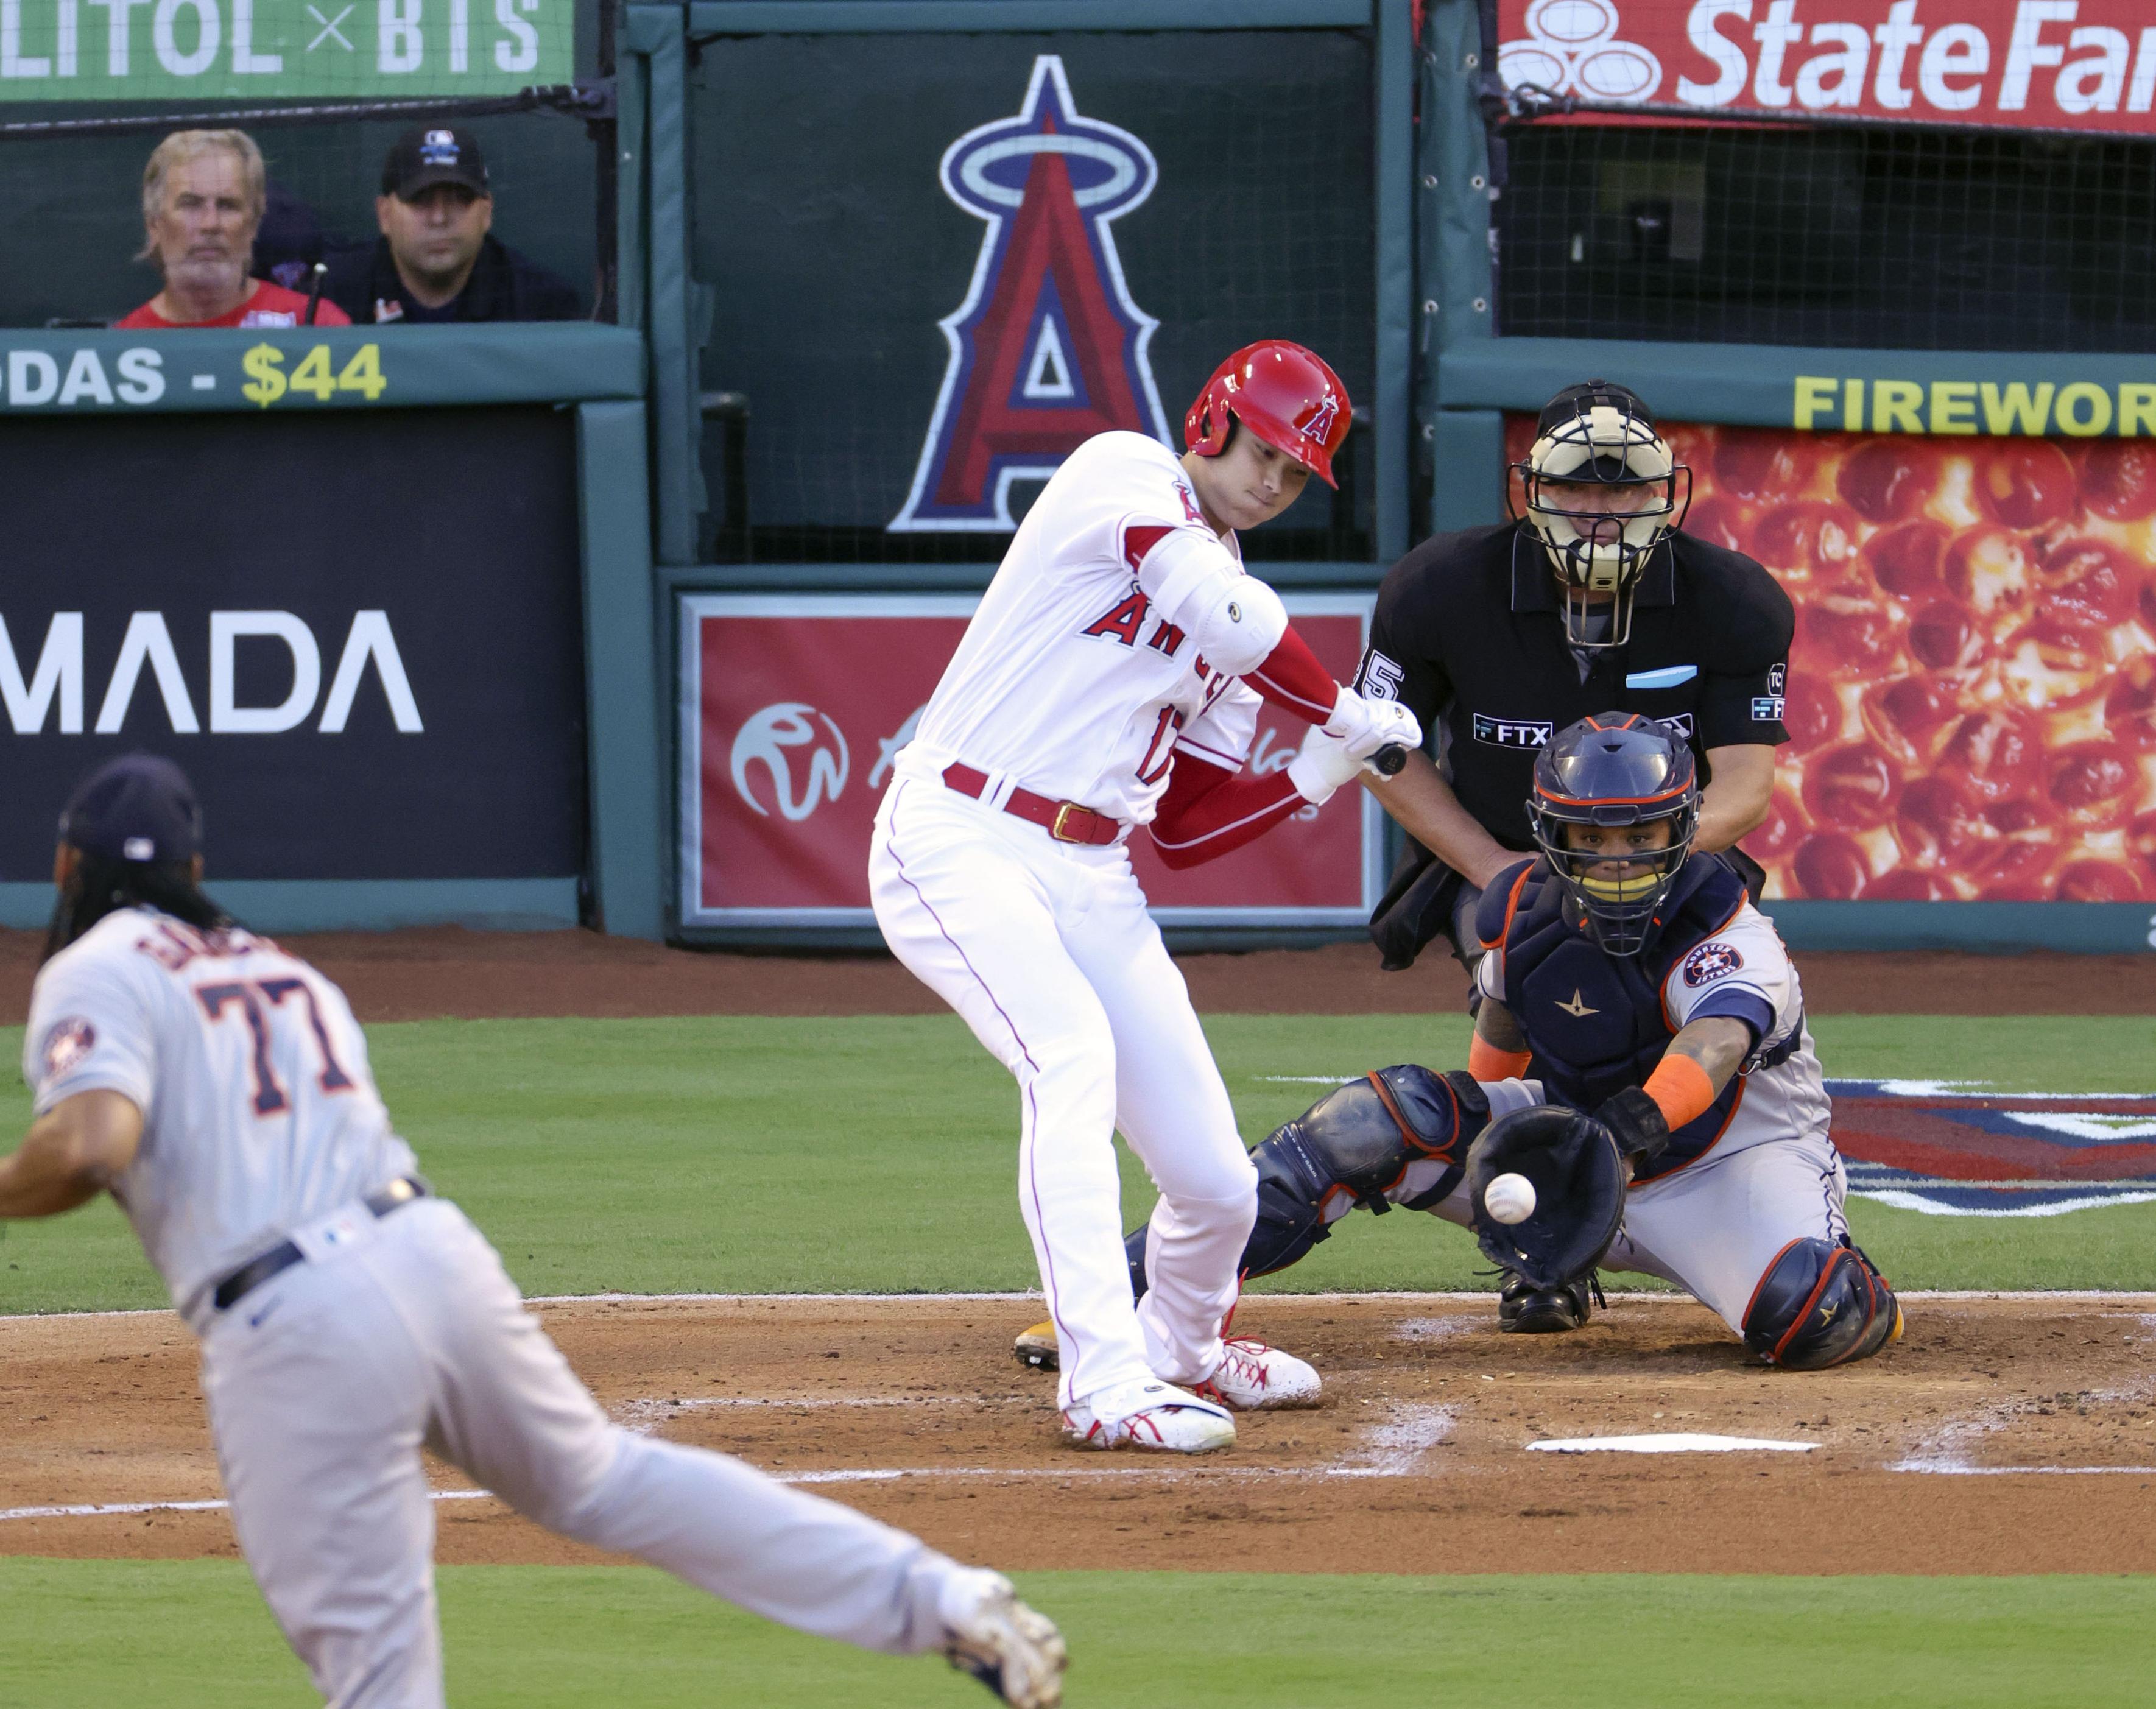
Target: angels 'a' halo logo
(1047,349)
(1571,48)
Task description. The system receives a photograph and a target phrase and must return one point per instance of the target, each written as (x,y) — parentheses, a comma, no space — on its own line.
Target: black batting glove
(1636,1120)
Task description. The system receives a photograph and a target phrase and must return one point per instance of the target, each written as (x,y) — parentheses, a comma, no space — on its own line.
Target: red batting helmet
(1283,393)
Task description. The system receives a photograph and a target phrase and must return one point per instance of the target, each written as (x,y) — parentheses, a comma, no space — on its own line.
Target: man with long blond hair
(203,195)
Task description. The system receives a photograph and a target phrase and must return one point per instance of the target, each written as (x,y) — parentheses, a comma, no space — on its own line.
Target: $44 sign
(267,381)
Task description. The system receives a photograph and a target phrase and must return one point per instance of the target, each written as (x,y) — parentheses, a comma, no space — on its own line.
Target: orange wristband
(1485,1061)
(1680,1087)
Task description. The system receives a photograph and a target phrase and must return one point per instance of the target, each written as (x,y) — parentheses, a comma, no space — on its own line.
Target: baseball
(1510,1198)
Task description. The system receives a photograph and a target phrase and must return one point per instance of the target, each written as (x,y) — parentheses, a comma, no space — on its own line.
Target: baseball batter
(218,1088)
(1111,679)
(1646,992)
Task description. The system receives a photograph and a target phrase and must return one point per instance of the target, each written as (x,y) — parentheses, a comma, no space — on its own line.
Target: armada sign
(2050,64)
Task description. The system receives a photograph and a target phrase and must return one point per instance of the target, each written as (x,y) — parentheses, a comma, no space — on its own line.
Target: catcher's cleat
(1036,1347)
(1256,1378)
(1154,1417)
(1523,1309)
(989,1633)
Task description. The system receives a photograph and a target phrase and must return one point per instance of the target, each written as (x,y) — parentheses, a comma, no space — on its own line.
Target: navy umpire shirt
(1469,636)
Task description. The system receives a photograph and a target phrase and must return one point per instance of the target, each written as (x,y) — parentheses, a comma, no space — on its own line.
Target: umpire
(1498,638)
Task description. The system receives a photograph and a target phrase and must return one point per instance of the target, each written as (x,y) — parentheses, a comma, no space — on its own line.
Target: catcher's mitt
(1579,1179)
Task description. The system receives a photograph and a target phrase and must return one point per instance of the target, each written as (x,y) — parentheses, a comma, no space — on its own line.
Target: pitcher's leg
(1173,1110)
(317,1400)
(511,1413)
(970,919)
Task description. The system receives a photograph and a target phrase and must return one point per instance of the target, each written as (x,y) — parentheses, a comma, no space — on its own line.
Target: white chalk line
(105,1509)
(2027,1470)
(1631,1295)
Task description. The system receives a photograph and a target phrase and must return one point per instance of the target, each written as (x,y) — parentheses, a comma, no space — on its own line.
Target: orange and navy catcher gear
(1286,395)
(1353,1146)
(1821,1304)
(1616,770)
(1594,1021)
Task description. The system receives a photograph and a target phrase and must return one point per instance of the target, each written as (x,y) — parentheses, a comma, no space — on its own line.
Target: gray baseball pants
(324,1383)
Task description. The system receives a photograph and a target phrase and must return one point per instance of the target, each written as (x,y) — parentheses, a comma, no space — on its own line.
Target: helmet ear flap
(1206,428)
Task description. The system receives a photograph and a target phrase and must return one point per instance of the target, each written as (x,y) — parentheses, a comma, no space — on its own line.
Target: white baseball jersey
(1743,971)
(1071,681)
(258,1109)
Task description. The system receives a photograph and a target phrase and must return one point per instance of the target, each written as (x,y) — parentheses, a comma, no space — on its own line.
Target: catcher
(1678,1124)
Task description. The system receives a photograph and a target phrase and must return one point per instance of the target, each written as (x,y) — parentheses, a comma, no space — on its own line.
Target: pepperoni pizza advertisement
(793,708)
(1972,691)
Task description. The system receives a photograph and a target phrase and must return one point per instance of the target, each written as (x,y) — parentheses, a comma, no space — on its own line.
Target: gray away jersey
(259,1112)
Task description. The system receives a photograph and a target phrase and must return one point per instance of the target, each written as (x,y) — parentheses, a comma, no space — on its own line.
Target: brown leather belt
(1064,820)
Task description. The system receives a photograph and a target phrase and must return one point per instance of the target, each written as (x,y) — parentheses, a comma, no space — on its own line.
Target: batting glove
(1367,725)
(1321,766)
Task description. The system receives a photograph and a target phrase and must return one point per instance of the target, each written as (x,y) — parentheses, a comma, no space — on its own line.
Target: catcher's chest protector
(1594,1020)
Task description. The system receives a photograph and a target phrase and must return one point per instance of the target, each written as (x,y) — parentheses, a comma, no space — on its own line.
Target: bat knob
(1389,760)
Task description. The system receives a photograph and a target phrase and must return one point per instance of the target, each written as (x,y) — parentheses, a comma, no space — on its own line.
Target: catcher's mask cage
(1602,490)
(1615,770)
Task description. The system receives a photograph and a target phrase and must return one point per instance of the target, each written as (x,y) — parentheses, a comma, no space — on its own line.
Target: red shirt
(267,306)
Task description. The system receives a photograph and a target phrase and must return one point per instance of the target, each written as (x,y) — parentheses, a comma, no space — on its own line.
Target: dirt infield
(419,974)
(2002,1435)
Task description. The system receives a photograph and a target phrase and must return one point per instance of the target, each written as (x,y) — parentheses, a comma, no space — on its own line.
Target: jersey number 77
(255,999)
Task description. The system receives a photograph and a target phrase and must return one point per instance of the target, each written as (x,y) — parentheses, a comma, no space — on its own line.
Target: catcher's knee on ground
(1821,1304)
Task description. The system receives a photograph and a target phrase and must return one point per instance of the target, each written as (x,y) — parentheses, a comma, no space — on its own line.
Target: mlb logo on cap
(138,807)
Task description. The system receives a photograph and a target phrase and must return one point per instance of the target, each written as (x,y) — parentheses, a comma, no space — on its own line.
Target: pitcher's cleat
(1256,1378)
(1036,1348)
(1014,1650)
(1151,1416)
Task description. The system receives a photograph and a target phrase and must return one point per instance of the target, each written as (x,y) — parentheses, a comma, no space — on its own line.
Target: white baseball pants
(1046,950)
(324,1383)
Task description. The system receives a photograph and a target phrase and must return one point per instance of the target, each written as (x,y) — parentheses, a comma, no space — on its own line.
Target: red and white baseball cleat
(1254,1376)
(1152,1416)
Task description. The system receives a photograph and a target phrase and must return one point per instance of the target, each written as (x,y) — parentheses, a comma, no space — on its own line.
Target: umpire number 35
(260,1003)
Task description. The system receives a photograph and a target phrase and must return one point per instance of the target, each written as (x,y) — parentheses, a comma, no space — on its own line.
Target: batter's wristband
(1486,1062)
(1681,1089)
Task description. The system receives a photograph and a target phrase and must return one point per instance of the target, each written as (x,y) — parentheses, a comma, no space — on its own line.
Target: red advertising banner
(794,707)
(2051,65)
(1972,693)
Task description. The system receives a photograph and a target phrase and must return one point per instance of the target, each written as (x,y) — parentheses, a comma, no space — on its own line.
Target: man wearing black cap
(219,1089)
(437,259)
(1591,599)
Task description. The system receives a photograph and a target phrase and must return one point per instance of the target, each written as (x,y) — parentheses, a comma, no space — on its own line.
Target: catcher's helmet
(1285,394)
(1602,490)
(1615,771)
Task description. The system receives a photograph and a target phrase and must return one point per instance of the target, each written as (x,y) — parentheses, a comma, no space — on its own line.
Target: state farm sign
(2079,65)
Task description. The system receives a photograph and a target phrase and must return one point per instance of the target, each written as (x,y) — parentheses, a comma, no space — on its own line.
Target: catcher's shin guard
(1821,1304)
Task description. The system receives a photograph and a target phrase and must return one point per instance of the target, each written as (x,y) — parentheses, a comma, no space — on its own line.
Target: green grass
(878,1154)
(194,1636)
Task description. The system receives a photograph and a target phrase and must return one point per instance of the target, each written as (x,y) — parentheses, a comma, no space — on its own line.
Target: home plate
(1681,1443)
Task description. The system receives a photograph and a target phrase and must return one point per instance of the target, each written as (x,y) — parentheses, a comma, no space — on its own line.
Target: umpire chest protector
(1595,1021)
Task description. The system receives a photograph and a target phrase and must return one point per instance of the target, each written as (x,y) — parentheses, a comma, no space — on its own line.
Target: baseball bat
(1389,760)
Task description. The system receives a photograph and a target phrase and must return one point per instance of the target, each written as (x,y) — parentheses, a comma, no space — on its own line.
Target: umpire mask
(1603,489)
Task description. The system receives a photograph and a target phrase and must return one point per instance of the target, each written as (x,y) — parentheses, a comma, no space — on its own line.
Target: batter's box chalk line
(1680,1442)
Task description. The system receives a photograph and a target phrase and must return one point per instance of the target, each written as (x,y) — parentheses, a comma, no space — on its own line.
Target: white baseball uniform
(1078,680)
(261,1124)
